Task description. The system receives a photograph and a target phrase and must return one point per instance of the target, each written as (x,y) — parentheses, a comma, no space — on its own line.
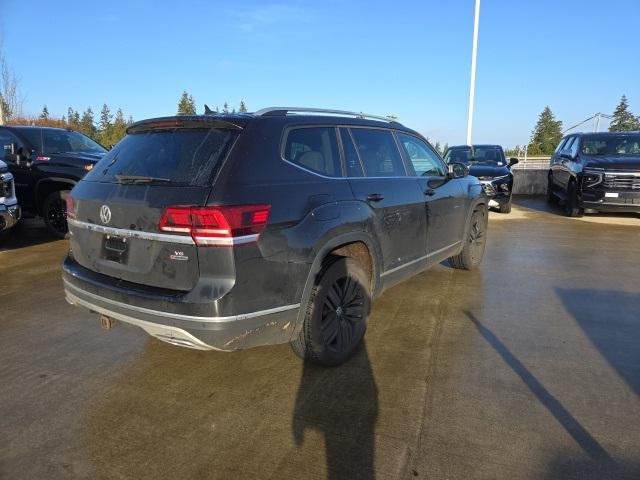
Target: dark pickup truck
(46,163)
(597,172)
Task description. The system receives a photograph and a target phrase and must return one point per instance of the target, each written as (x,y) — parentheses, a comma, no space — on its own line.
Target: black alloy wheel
(55,213)
(337,313)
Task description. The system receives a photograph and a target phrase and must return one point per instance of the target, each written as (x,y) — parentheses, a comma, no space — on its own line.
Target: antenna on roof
(207,110)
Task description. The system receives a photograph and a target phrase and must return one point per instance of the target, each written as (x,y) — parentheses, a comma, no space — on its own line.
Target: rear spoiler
(186,121)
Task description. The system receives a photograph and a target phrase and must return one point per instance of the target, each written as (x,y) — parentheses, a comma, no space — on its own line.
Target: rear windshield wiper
(141,179)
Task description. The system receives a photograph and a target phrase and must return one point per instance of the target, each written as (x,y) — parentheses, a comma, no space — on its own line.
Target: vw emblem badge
(105,214)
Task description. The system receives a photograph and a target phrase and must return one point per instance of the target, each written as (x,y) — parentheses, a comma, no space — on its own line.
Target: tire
(571,208)
(505,207)
(337,314)
(474,245)
(54,210)
(551,198)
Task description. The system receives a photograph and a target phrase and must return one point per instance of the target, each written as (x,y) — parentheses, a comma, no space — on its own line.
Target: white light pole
(472,87)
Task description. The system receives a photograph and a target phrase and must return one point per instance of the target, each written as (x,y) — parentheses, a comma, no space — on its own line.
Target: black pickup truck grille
(622,181)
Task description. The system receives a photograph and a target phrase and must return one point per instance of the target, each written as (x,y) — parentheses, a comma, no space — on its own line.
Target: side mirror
(566,154)
(457,170)
(513,161)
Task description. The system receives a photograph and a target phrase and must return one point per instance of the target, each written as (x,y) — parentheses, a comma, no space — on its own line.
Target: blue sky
(411,59)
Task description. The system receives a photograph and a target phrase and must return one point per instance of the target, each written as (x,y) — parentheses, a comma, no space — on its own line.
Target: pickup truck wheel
(571,208)
(337,314)
(505,207)
(474,245)
(54,210)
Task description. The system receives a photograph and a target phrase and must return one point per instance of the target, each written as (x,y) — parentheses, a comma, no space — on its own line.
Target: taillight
(71,208)
(225,225)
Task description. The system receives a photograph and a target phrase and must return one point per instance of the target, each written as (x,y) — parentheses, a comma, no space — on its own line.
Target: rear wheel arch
(48,185)
(355,245)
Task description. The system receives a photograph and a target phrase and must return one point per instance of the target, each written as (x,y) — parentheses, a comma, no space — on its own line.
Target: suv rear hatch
(114,212)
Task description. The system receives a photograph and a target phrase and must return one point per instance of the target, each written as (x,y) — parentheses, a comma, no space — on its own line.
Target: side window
(315,149)
(574,147)
(351,161)
(561,145)
(378,152)
(424,160)
(6,138)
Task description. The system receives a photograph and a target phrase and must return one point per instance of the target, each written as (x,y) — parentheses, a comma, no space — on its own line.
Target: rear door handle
(430,192)
(374,197)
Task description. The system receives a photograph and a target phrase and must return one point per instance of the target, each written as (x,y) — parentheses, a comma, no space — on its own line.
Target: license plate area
(115,248)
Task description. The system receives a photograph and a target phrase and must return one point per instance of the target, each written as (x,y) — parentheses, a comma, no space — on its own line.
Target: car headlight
(591,178)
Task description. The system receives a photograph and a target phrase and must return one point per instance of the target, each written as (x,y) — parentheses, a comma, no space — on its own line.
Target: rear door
(117,207)
(394,197)
(444,198)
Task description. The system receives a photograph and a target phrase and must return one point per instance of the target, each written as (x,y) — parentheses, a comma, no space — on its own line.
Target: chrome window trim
(395,269)
(178,316)
(349,127)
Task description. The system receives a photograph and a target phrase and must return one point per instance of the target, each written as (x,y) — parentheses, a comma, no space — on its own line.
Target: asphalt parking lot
(527,368)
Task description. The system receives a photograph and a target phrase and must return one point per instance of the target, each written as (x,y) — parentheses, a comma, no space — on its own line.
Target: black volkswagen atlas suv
(488,163)
(228,231)
(596,171)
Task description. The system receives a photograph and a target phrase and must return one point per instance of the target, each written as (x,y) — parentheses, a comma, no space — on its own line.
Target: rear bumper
(9,216)
(246,330)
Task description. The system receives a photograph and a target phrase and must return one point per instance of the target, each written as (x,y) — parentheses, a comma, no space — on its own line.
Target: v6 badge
(177,255)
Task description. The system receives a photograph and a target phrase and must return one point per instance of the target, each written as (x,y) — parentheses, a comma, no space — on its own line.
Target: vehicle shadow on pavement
(572,426)
(342,404)
(26,233)
(566,466)
(610,320)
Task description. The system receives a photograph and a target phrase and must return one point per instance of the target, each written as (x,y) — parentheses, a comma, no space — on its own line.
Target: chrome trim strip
(630,173)
(123,232)
(227,241)
(178,316)
(165,333)
(419,259)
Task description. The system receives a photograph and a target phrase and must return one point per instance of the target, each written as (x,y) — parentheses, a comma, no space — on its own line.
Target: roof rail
(276,111)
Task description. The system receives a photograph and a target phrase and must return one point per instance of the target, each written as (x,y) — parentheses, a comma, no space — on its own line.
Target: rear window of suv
(177,156)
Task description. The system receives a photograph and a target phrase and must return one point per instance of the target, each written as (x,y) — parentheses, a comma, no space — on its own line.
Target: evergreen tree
(225,108)
(546,134)
(45,113)
(438,148)
(87,125)
(186,105)
(105,126)
(445,148)
(623,119)
(118,129)
(243,107)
